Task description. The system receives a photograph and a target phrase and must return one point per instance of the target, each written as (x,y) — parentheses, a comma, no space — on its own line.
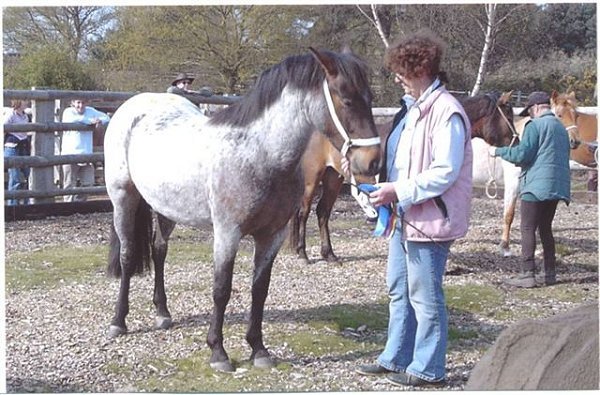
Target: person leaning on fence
(75,142)
(543,155)
(17,144)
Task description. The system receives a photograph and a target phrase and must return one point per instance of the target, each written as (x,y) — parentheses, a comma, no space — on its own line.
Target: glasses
(186,82)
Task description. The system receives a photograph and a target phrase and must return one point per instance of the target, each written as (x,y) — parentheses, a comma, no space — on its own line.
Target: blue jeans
(15,174)
(418,325)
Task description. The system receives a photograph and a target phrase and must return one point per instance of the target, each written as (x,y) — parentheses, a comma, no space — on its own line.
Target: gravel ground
(56,335)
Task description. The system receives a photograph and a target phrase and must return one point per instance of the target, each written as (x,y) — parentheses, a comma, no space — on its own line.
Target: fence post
(42,144)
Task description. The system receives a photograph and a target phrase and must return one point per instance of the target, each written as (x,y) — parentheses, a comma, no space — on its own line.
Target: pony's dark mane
(481,105)
(302,72)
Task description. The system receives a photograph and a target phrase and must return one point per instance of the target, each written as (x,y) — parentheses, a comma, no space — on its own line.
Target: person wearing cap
(181,84)
(80,142)
(543,155)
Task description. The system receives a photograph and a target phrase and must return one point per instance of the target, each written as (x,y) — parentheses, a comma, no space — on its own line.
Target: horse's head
(492,118)
(564,106)
(350,125)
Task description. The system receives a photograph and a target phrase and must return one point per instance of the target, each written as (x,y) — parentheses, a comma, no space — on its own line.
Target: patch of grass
(472,298)
(563,250)
(194,374)
(455,334)
(52,266)
(340,317)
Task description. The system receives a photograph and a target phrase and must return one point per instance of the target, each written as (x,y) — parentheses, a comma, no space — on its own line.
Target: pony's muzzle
(365,161)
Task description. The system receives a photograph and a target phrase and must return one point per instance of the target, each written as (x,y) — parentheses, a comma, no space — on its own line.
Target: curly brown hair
(416,55)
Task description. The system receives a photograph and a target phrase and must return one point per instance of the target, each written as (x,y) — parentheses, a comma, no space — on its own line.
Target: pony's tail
(294,232)
(142,238)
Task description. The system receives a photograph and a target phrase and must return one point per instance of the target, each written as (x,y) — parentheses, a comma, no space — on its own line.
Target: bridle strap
(515,135)
(340,128)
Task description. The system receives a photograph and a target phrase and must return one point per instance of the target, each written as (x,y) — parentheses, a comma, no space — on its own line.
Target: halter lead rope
(491,184)
(340,128)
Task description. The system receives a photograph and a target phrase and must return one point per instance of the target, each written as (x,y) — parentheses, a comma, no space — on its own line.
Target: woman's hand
(384,195)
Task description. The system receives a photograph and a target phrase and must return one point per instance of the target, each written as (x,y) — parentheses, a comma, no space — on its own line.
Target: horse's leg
(511,191)
(224,250)
(265,251)
(302,218)
(129,243)
(332,184)
(160,246)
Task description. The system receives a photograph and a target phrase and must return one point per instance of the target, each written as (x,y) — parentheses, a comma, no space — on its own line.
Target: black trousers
(538,216)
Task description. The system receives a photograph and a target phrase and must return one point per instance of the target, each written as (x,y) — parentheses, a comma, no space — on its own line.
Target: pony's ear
(347,50)
(572,94)
(505,98)
(326,60)
(553,96)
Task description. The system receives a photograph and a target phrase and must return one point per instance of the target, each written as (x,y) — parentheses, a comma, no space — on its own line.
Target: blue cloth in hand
(385,220)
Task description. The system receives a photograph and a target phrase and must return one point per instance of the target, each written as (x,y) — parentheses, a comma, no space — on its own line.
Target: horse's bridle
(515,135)
(340,128)
(491,183)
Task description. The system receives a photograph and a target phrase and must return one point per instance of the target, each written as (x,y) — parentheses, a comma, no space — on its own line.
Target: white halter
(347,142)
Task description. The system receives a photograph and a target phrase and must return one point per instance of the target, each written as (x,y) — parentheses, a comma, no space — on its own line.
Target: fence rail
(42,188)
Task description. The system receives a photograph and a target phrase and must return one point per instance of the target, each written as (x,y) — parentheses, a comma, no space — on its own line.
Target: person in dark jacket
(543,155)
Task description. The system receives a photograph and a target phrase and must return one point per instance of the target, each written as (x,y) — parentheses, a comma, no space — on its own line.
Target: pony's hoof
(163,322)
(264,362)
(222,366)
(506,252)
(116,331)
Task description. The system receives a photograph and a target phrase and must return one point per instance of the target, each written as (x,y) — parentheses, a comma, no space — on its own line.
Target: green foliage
(535,46)
(50,67)
(555,71)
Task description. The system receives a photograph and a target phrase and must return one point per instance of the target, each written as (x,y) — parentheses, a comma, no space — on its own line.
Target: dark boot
(523,280)
(548,275)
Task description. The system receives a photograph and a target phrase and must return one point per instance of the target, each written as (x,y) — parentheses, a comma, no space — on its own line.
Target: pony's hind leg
(130,248)
(160,241)
(265,251)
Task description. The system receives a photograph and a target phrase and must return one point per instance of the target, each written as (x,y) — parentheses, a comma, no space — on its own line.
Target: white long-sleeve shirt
(80,141)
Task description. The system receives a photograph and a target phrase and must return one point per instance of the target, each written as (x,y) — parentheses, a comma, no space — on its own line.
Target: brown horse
(582,128)
(491,117)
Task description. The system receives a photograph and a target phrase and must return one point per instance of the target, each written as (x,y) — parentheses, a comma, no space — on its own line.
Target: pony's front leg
(224,251)
(511,192)
(265,251)
(159,253)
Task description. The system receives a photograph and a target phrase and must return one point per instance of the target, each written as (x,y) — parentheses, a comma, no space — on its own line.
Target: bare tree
(74,28)
(383,29)
(490,28)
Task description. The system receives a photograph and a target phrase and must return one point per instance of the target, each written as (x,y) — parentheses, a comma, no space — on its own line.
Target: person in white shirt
(76,142)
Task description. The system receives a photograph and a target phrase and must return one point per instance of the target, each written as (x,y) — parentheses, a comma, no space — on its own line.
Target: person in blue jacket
(543,155)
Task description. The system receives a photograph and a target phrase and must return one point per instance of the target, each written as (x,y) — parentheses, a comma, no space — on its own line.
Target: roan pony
(239,171)
(491,117)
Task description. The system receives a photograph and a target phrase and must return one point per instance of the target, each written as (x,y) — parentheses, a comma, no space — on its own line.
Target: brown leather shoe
(404,379)
(372,370)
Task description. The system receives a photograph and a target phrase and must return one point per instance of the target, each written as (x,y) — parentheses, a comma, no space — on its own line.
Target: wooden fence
(47,104)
